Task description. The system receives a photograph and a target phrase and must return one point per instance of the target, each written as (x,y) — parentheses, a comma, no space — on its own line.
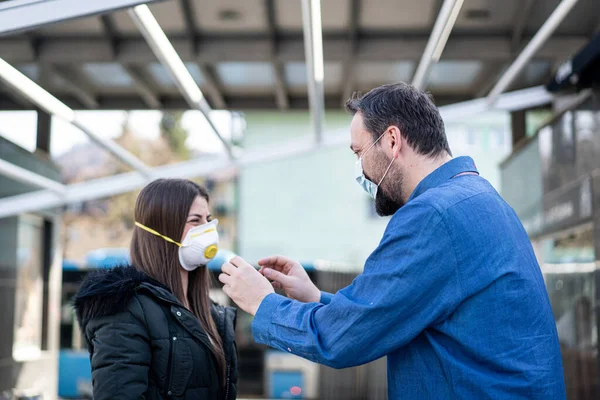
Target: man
(453,294)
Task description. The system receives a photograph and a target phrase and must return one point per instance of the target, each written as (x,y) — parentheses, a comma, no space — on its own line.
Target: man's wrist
(257,305)
(315,296)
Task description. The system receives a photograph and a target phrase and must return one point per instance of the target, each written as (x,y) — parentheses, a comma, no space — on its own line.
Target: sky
(20,128)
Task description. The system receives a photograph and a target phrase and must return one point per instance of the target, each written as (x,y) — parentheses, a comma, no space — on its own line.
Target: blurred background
(99,97)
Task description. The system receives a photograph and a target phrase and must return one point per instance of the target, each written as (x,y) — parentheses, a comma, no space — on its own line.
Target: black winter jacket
(144,344)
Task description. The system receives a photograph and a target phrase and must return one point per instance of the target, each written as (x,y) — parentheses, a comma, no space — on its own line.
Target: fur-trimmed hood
(123,311)
(108,292)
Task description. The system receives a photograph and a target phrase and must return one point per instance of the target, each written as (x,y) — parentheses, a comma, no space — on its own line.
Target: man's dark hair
(410,109)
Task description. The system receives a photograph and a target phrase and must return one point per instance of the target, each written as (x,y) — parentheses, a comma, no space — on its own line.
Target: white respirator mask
(199,246)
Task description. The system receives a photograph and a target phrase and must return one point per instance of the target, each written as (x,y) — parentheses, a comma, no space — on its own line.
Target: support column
(44,127)
(518,127)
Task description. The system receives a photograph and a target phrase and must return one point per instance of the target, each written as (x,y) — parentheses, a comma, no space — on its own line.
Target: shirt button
(169,392)
(174,338)
(178,313)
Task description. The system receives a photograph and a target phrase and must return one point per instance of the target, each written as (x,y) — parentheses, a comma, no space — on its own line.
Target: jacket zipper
(227,381)
(170,366)
(223,322)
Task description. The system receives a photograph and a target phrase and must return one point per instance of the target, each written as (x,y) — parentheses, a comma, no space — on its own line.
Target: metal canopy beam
(491,48)
(174,101)
(142,87)
(281,95)
(281,92)
(20,100)
(22,15)
(348,82)
(126,182)
(110,29)
(213,86)
(313,49)
(75,85)
(122,183)
(521,17)
(437,41)
(512,101)
(544,33)
(167,55)
(488,78)
(50,104)
(31,178)
(137,75)
(187,8)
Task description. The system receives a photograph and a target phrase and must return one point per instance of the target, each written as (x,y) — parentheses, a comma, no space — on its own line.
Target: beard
(385,205)
(389,199)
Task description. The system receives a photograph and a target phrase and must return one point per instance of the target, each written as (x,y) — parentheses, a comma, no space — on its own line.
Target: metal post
(44,127)
(557,16)
(442,26)
(44,100)
(166,54)
(24,175)
(313,50)
(118,151)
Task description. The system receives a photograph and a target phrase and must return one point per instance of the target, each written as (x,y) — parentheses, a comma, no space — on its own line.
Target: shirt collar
(445,172)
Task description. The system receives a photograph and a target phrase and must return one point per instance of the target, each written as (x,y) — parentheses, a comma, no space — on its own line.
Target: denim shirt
(453,296)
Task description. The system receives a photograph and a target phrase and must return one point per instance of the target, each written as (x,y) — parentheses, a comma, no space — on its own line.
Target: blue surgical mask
(368,186)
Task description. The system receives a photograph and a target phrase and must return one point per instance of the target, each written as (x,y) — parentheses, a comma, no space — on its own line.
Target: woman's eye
(193,221)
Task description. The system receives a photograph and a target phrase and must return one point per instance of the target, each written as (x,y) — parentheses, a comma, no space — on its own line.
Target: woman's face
(198,215)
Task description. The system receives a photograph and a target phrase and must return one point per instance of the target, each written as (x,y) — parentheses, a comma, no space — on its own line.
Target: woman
(151,329)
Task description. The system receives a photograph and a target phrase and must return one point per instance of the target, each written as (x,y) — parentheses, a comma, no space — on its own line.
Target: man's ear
(395,140)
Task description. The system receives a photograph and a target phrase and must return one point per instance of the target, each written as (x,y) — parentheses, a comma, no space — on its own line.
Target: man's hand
(246,287)
(290,276)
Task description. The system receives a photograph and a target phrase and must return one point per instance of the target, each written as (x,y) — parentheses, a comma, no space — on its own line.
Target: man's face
(375,161)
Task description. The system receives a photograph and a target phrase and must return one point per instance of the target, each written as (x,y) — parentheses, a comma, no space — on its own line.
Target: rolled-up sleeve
(409,282)
(326,298)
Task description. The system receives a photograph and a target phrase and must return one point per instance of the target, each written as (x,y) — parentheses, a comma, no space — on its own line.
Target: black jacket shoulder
(136,329)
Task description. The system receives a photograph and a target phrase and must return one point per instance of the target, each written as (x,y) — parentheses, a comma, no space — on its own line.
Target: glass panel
(107,74)
(379,72)
(569,274)
(161,75)
(454,73)
(28,306)
(250,74)
(295,74)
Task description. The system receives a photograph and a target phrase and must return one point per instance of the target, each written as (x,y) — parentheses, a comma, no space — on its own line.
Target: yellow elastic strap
(202,233)
(152,231)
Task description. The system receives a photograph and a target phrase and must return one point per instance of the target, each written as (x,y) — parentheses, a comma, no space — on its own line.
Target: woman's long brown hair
(164,205)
